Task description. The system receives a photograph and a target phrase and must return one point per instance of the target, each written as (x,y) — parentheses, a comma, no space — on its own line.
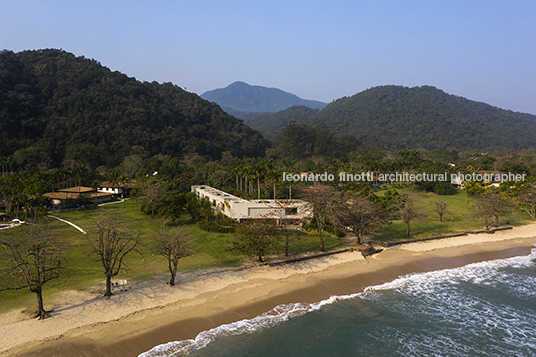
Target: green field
(458,219)
(84,272)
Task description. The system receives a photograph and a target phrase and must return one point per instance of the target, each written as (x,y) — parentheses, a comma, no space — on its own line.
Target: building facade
(240,209)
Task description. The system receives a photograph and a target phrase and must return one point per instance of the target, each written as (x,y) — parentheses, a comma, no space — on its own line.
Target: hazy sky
(323,50)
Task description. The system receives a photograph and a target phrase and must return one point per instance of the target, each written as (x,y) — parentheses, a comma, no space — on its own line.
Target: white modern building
(240,209)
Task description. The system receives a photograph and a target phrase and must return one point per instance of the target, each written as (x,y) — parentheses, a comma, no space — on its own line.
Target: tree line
(36,255)
(56,108)
(165,192)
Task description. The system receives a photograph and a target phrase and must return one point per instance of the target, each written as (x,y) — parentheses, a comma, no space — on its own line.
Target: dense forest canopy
(398,117)
(272,124)
(55,106)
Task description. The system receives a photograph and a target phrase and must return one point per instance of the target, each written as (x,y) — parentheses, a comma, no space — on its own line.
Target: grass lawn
(83,271)
(458,219)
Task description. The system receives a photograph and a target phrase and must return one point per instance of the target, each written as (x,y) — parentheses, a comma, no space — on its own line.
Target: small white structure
(116,188)
(240,209)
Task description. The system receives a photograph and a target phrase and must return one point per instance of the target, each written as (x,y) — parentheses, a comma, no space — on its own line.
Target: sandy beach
(135,320)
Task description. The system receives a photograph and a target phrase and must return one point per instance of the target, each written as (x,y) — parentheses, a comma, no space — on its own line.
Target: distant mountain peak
(243,97)
(239,83)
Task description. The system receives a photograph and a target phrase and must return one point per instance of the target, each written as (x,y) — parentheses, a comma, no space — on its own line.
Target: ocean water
(481,309)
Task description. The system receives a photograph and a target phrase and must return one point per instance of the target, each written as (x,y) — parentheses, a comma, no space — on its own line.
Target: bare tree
(408,212)
(322,202)
(150,193)
(440,207)
(361,215)
(282,209)
(489,208)
(31,260)
(527,202)
(172,245)
(111,243)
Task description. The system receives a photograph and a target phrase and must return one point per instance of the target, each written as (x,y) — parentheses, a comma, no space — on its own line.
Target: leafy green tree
(237,171)
(474,188)
(274,175)
(151,193)
(296,141)
(389,200)
(199,209)
(515,168)
(172,204)
(256,239)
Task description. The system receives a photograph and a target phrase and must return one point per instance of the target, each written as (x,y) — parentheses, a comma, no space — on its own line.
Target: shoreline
(132,323)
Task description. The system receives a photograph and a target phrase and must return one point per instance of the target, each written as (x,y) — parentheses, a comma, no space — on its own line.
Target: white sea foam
(278,314)
(484,273)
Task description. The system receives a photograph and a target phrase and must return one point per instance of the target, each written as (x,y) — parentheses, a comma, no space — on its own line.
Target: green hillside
(425,117)
(55,106)
(271,124)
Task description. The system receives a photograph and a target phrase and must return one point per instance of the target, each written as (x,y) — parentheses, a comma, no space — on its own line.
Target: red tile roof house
(76,195)
(116,188)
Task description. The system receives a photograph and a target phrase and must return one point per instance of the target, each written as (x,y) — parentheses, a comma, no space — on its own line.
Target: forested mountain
(398,117)
(55,106)
(244,115)
(242,97)
(271,124)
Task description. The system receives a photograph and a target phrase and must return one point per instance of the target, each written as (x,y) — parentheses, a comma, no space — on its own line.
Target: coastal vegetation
(398,118)
(56,108)
(213,249)
(67,121)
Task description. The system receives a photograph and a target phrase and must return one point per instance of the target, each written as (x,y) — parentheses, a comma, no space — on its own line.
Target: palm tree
(236,172)
(123,180)
(273,175)
(67,174)
(249,174)
(3,163)
(241,172)
(112,177)
(95,184)
(259,170)
(268,168)
(37,187)
(80,171)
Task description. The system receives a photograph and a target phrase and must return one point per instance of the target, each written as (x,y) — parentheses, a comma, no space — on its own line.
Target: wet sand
(260,289)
